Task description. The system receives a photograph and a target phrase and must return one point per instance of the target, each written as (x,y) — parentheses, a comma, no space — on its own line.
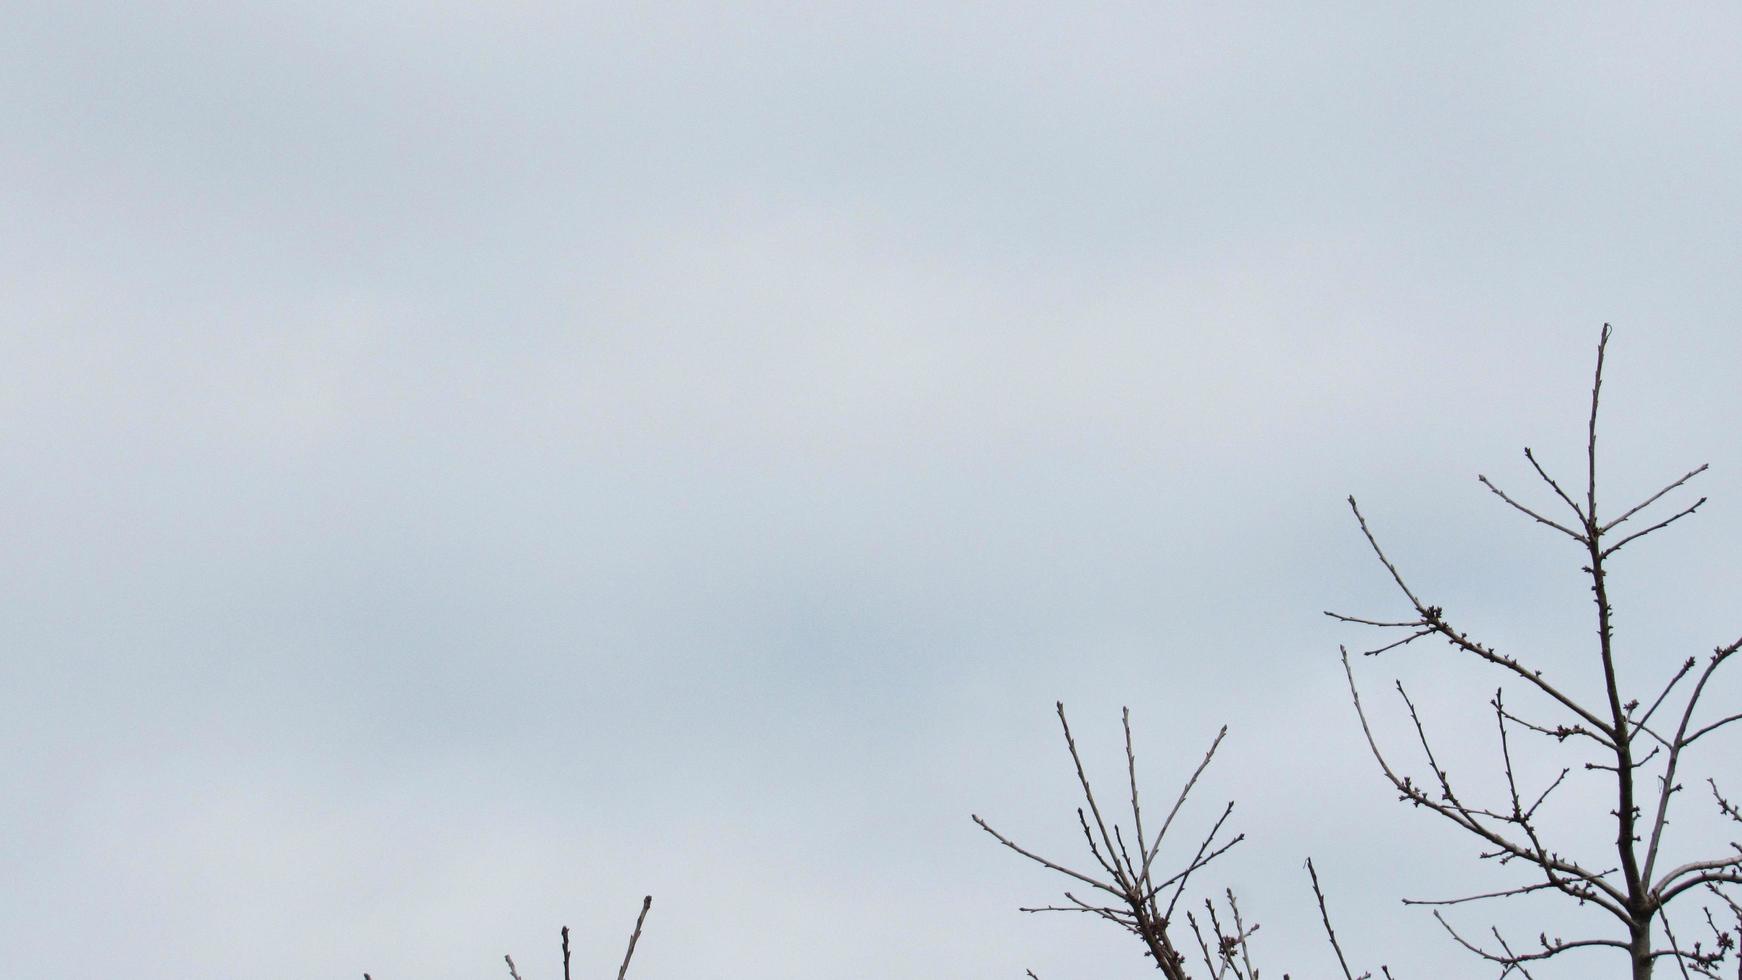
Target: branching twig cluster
(1131,892)
(1625,742)
(1128,891)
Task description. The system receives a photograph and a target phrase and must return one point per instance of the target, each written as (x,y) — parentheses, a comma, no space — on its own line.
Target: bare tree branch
(1636,508)
(1130,878)
(1533,515)
(634,937)
(1325,917)
(1660,525)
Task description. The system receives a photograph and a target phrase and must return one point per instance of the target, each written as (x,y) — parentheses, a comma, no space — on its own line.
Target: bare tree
(1640,753)
(1641,757)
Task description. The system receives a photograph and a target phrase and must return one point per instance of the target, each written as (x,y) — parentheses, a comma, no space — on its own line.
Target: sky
(467,466)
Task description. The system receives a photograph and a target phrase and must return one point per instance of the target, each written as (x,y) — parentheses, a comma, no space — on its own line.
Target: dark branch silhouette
(1131,892)
(1636,755)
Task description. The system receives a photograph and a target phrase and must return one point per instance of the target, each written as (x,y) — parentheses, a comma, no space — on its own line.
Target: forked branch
(1128,880)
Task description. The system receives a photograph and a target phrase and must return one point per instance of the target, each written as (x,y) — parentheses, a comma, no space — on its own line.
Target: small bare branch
(1088,793)
(1433,617)
(1370,622)
(1660,525)
(1725,806)
(1504,893)
(1636,508)
(1325,917)
(1681,741)
(1567,876)
(1203,857)
(634,937)
(1533,515)
(1043,862)
(1179,801)
(1714,726)
(1513,960)
(1680,673)
(1674,945)
(1556,487)
(1591,429)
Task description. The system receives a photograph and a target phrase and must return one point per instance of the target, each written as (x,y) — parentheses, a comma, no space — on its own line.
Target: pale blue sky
(467,466)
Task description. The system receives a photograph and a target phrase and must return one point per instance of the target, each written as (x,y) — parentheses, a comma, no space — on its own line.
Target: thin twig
(634,937)
(1660,525)
(1533,515)
(1636,508)
(1325,917)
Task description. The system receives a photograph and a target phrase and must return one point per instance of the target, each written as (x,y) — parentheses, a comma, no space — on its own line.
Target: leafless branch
(1325,917)
(634,937)
(1061,869)
(1130,880)
(1533,515)
(1636,508)
(1660,525)
(1513,960)
(1503,893)
(1556,487)
(1564,875)
(1433,620)
(1675,679)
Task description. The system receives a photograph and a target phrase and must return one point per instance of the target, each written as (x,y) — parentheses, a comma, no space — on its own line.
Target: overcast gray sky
(466,466)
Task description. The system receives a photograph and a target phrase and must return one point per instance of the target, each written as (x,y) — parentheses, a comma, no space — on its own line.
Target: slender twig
(1556,487)
(1179,801)
(1675,679)
(1636,508)
(1680,957)
(1325,917)
(1061,869)
(1533,515)
(634,937)
(1503,893)
(1660,525)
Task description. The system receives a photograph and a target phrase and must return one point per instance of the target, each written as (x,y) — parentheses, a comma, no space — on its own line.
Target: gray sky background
(467,466)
